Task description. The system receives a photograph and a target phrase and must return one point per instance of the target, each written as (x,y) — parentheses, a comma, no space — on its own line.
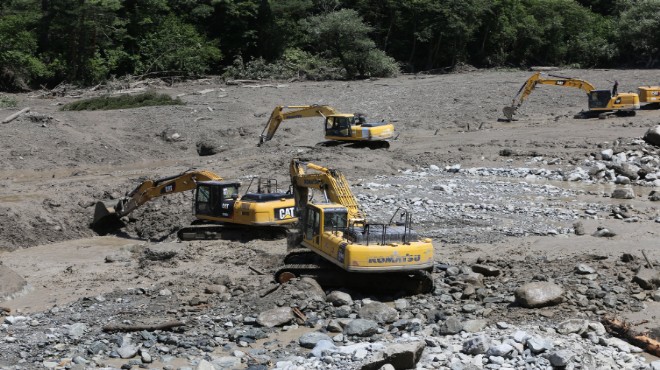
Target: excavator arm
(333,184)
(280,113)
(539,79)
(150,189)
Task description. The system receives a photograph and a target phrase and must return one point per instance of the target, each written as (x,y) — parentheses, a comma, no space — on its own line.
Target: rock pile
(251,323)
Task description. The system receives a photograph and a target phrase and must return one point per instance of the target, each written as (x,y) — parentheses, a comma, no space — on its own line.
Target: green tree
(19,64)
(176,47)
(343,38)
(638,34)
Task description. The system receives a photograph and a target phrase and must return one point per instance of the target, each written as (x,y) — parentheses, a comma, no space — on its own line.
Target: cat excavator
(336,245)
(602,103)
(340,128)
(220,211)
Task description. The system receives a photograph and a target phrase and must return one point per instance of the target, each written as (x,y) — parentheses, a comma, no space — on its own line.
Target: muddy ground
(54,165)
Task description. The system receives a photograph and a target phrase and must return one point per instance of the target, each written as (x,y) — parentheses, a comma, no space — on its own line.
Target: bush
(7,102)
(123,102)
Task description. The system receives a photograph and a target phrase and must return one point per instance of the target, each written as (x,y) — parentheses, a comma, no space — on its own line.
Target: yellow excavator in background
(339,127)
(218,208)
(601,102)
(339,246)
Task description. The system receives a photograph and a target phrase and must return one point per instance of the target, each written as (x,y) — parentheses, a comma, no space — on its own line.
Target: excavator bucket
(509,112)
(105,219)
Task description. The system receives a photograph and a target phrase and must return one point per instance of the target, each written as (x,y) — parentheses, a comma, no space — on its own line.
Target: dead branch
(647,260)
(296,311)
(624,330)
(148,327)
(270,290)
(255,270)
(15,115)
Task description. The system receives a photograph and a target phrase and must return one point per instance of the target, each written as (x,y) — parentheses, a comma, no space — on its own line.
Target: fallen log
(15,115)
(5,309)
(148,327)
(623,330)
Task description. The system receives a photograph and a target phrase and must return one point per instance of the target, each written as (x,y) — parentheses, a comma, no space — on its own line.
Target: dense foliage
(89,41)
(126,101)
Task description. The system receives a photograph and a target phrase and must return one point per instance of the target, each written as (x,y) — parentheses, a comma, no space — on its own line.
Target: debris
(148,327)
(15,115)
(203,92)
(624,330)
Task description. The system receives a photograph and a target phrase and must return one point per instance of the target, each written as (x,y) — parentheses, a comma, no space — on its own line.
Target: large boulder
(379,312)
(11,283)
(275,317)
(539,294)
(652,136)
(400,356)
(361,328)
(647,278)
(309,340)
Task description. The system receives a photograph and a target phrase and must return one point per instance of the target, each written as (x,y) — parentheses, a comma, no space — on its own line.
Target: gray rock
(578,227)
(311,289)
(225,362)
(502,350)
(647,279)
(339,298)
(538,344)
(399,355)
(584,269)
(486,270)
(539,294)
(275,317)
(97,347)
(654,196)
(334,326)
(473,326)
(655,365)
(401,304)
(560,358)
(361,328)
(476,345)
(603,232)
(379,312)
(390,367)
(10,282)
(145,357)
(607,154)
(322,347)
(309,340)
(77,330)
(573,326)
(161,251)
(450,326)
(623,193)
(652,136)
(127,351)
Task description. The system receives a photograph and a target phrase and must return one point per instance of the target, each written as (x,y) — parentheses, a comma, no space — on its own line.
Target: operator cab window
(229,191)
(335,220)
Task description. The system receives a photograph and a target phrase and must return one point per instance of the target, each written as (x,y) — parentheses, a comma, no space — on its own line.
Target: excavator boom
(331,182)
(147,190)
(539,79)
(280,113)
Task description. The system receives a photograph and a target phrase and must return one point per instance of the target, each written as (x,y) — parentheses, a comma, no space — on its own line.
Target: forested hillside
(46,42)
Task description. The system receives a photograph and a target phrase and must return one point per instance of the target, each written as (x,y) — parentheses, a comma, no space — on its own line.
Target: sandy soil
(53,170)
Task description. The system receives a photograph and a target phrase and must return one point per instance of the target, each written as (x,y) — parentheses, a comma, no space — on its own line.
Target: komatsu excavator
(601,102)
(339,246)
(219,209)
(339,127)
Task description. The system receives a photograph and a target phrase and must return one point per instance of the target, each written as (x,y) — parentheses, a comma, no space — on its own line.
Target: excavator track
(231,232)
(381,144)
(328,275)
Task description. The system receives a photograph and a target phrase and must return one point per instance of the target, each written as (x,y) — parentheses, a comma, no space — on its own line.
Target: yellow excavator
(220,211)
(340,128)
(337,246)
(602,103)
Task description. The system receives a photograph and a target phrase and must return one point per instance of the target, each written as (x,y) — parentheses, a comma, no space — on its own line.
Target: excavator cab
(216,198)
(339,125)
(599,98)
